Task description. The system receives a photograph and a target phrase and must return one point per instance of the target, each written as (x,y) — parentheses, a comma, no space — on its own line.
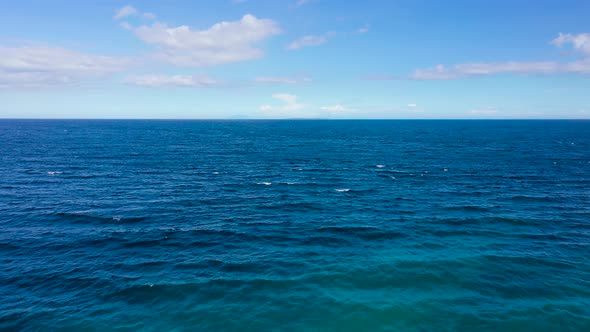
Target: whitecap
(380,166)
(265,183)
(54,172)
(117,218)
(446,169)
(342,190)
(215,173)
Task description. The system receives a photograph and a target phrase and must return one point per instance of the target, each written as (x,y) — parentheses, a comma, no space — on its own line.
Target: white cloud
(334,108)
(289,107)
(282,80)
(40,66)
(364,29)
(412,105)
(149,16)
(128,11)
(581,43)
(307,41)
(191,81)
(300,3)
(125,11)
(224,42)
(238,1)
(287,98)
(126,25)
(441,72)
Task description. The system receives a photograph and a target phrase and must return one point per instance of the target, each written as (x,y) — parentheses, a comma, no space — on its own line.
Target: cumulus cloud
(128,11)
(289,105)
(307,41)
(580,43)
(188,81)
(282,80)
(40,66)
(222,43)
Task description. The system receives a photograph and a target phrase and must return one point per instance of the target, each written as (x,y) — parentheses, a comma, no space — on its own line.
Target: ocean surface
(294,225)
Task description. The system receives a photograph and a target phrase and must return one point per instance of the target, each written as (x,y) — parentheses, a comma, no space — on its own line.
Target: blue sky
(295,59)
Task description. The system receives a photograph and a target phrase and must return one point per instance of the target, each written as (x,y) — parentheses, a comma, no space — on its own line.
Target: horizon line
(310,119)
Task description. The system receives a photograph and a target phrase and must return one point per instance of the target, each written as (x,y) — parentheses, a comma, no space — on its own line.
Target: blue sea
(296,225)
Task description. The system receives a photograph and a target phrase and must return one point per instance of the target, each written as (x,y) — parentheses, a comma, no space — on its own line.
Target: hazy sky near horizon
(295,59)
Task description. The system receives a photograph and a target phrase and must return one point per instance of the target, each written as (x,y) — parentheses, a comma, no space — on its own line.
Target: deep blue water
(294,225)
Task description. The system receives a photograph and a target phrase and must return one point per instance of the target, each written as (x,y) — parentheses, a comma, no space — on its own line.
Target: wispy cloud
(580,43)
(222,43)
(125,11)
(42,66)
(128,11)
(363,29)
(149,16)
(282,80)
(187,81)
(307,41)
(300,3)
(335,108)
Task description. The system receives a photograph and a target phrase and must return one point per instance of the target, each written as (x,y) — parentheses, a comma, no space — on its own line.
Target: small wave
(392,171)
(264,183)
(343,190)
(363,232)
(525,198)
(380,166)
(468,208)
(487,221)
(293,206)
(88,218)
(54,173)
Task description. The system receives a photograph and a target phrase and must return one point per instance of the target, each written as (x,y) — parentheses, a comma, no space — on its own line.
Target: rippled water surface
(294,225)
